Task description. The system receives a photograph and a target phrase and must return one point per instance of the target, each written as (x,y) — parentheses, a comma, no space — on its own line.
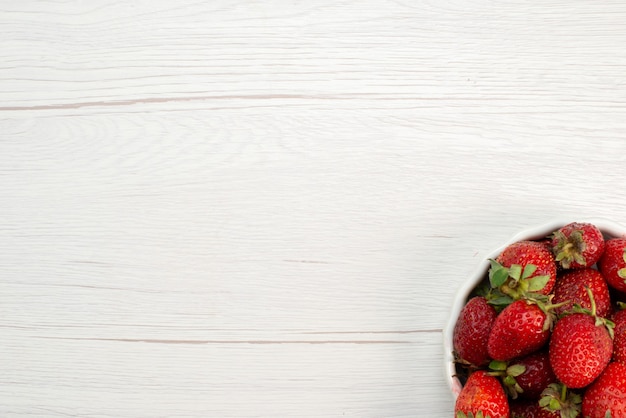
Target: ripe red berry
(525,377)
(579,349)
(483,394)
(612,264)
(571,288)
(619,320)
(619,338)
(525,253)
(471,331)
(520,329)
(537,374)
(607,395)
(577,245)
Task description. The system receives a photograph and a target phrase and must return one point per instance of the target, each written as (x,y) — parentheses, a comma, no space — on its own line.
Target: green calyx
(516,281)
(569,249)
(509,284)
(479,414)
(507,373)
(556,397)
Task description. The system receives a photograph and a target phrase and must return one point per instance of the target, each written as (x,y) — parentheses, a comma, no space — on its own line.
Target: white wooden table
(264,208)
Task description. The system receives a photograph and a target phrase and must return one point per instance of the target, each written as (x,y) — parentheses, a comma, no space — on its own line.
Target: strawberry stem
(592,300)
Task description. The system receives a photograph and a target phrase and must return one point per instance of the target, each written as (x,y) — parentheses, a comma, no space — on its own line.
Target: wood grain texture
(263,209)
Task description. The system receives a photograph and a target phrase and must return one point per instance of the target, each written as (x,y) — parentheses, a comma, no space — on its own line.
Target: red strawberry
(537,374)
(619,339)
(525,377)
(571,287)
(526,260)
(580,348)
(619,346)
(612,264)
(520,329)
(577,245)
(471,331)
(606,397)
(619,319)
(524,408)
(482,394)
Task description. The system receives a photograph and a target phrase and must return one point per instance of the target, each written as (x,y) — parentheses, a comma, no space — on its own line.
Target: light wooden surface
(264,208)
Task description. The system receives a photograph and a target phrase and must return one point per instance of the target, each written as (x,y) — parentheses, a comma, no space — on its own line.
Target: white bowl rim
(608,227)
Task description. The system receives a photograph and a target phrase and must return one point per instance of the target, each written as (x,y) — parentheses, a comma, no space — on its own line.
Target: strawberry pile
(544,335)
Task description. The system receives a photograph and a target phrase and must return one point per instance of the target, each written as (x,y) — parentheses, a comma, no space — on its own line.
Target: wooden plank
(56,377)
(73,55)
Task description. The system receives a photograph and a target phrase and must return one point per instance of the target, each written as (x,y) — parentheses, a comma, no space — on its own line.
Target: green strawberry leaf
(483,289)
(537,283)
(556,397)
(555,404)
(497,365)
(501,301)
(509,381)
(515,271)
(544,401)
(515,370)
(528,271)
(580,259)
(497,274)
